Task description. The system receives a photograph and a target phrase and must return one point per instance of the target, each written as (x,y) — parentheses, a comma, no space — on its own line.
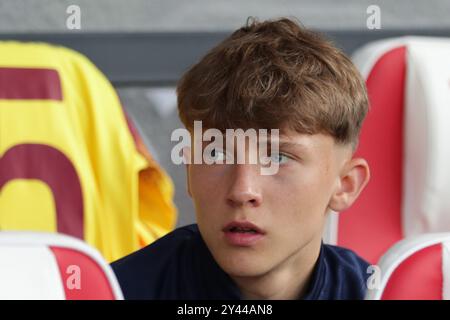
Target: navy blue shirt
(180,266)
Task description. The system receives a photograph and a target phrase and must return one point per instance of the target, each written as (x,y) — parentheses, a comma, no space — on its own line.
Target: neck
(287,281)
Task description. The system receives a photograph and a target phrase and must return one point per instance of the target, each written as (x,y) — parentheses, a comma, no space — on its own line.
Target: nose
(244,190)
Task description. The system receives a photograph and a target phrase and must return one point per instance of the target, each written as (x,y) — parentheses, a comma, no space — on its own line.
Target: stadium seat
(416,268)
(405,141)
(50,266)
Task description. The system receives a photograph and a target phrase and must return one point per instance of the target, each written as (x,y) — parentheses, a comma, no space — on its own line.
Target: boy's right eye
(217,155)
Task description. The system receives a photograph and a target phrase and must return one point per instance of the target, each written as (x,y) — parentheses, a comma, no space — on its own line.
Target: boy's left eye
(279,158)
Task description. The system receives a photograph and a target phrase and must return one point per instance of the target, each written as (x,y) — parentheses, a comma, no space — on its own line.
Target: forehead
(320,146)
(306,142)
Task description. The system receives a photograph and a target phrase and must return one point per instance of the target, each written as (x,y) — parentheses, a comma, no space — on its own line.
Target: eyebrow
(286,144)
(289,144)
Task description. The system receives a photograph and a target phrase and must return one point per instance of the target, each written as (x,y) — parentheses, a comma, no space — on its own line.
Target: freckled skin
(290,206)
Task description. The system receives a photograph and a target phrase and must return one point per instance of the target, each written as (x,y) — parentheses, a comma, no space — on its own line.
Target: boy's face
(289,207)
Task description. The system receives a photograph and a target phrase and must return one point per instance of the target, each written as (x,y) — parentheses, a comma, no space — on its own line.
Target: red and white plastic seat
(405,139)
(53,266)
(416,268)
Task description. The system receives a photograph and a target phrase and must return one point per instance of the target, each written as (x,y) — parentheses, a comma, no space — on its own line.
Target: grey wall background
(154,109)
(215,15)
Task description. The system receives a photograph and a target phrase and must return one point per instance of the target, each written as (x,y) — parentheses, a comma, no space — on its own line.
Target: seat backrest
(53,266)
(415,268)
(403,140)
(372,224)
(70,162)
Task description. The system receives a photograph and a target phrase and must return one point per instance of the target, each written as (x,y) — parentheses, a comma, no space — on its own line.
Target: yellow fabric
(127,197)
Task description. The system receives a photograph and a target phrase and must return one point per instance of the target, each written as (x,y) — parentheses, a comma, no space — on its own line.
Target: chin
(243,266)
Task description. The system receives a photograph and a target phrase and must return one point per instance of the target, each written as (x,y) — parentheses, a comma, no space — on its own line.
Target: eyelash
(288,156)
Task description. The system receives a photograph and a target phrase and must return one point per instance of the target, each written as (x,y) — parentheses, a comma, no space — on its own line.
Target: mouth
(243,233)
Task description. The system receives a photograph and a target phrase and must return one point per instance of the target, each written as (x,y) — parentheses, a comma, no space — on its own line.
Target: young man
(260,236)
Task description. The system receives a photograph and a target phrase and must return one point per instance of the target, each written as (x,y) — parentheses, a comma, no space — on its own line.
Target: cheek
(298,203)
(302,191)
(206,183)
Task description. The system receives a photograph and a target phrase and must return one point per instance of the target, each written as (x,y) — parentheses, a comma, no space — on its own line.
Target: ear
(354,177)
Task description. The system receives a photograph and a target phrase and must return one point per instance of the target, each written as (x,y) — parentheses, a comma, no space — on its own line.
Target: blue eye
(279,158)
(218,155)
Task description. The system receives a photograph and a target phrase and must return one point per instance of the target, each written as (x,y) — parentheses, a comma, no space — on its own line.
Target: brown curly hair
(275,74)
